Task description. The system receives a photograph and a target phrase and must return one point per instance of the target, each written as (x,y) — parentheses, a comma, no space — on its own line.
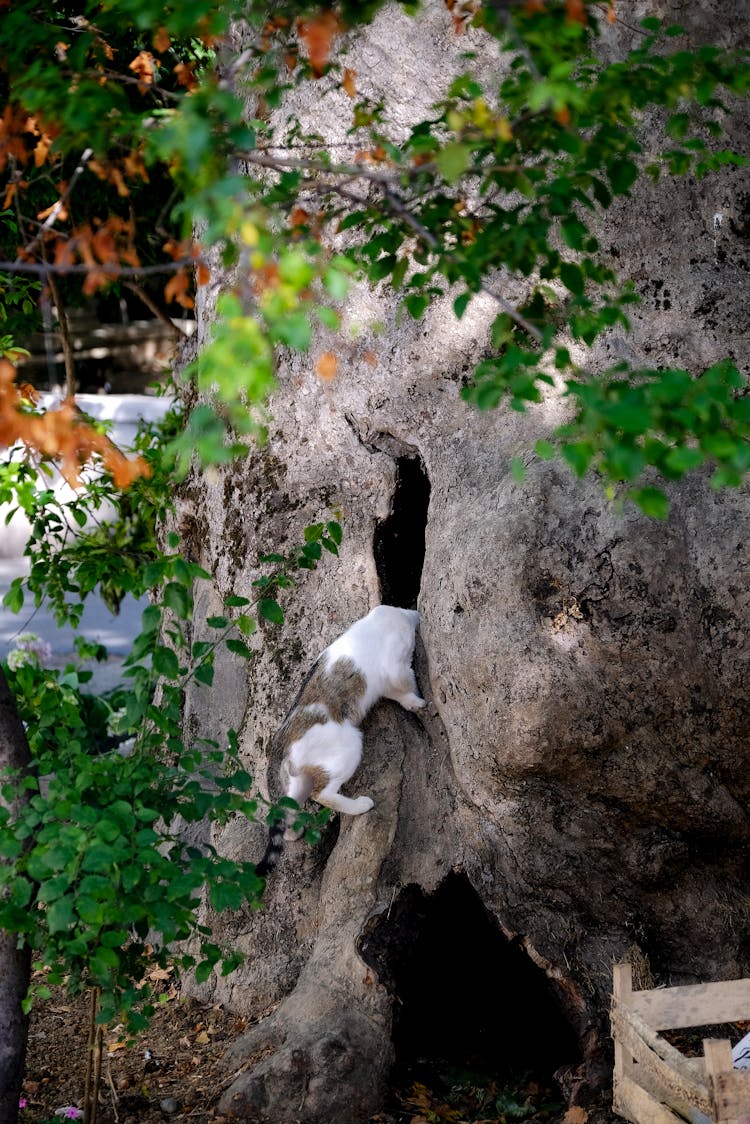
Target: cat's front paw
(413,702)
(362,804)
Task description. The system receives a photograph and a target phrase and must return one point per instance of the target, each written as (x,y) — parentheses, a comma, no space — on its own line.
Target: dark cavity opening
(399,540)
(469,1003)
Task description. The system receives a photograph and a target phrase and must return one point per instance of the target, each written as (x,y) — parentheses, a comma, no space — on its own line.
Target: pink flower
(22,1103)
(70,1112)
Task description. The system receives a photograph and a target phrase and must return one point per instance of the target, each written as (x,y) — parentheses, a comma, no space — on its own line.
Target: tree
(15,962)
(447,199)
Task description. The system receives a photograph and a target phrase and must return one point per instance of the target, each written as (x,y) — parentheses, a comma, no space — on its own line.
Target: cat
(320,737)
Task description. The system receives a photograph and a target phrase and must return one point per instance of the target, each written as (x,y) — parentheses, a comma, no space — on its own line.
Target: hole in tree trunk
(399,540)
(470,1005)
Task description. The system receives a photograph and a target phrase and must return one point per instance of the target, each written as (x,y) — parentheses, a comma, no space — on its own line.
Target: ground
(173,1072)
(174,1063)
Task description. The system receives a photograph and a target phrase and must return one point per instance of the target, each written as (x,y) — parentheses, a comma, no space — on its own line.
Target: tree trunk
(576,791)
(15,963)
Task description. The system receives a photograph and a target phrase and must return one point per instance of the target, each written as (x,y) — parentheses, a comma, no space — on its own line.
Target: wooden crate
(654,1083)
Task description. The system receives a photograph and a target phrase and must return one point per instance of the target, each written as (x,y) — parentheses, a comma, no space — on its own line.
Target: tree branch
(51,219)
(158,312)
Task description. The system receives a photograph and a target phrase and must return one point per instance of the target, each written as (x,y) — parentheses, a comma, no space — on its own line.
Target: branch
(52,216)
(428,238)
(110,269)
(62,317)
(158,312)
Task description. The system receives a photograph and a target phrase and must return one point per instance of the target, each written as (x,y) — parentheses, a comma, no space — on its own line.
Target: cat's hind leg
(298,787)
(404,690)
(330,797)
(326,792)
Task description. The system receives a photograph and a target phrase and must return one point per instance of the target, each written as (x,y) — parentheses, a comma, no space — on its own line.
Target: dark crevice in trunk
(399,541)
(466,999)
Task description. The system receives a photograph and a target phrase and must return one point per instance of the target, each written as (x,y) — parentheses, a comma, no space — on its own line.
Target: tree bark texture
(579,779)
(15,963)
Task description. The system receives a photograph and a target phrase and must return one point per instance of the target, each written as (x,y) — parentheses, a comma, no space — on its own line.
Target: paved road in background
(115,632)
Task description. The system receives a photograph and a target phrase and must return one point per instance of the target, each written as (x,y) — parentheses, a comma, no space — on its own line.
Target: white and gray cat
(320,737)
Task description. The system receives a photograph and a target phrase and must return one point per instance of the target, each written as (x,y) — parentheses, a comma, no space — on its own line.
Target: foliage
(510,173)
(98,878)
(460,1097)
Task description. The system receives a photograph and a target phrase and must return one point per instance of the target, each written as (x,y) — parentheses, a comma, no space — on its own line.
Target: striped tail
(274,849)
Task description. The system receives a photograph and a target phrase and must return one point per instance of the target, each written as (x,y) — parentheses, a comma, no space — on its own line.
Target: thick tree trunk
(15,963)
(576,791)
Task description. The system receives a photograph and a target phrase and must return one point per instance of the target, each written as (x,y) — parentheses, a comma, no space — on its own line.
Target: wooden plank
(718,1055)
(638,1106)
(729,1088)
(680,1080)
(733,1095)
(694,1004)
(622,989)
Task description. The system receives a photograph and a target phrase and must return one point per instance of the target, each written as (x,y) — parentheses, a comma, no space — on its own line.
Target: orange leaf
(161,40)
(299,217)
(176,289)
(185,76)
(327,366)
(318,35)
(576,11)
(576,1115)
(611,15)
(143,66)
(370,358)
(42,149)
(347,82)
(202,274)
(62,214)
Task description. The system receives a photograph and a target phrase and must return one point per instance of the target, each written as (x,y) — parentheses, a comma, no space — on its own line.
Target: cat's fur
(320,737)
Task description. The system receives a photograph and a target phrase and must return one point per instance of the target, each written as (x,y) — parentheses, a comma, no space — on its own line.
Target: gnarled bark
(15,963)
(579,777)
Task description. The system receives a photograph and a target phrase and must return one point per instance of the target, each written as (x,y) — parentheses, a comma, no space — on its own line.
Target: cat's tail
(274,849)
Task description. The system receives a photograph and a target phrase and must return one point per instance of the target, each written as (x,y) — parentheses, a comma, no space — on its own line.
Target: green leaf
(460,304)
(60,915)
(204,673)
(235,601)
(177,598)
(335,532)
(13,599)
(453,160)
(165,663)
(294,330)
(270,610)
(545,450)
(579,455)
(622,175)
(573,278)
(518,470)
(204,970)
(415,304)
(217,622)
(651,501)
(239,647)
(225,895)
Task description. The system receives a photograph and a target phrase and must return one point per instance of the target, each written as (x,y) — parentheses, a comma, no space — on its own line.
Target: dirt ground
(173,1072)
(170,1072)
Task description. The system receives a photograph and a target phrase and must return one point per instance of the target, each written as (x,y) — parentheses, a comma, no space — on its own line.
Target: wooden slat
(694,1004)
(638,1106)
(718,1055)
(730,1088)
(677,1080)
(622,989)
